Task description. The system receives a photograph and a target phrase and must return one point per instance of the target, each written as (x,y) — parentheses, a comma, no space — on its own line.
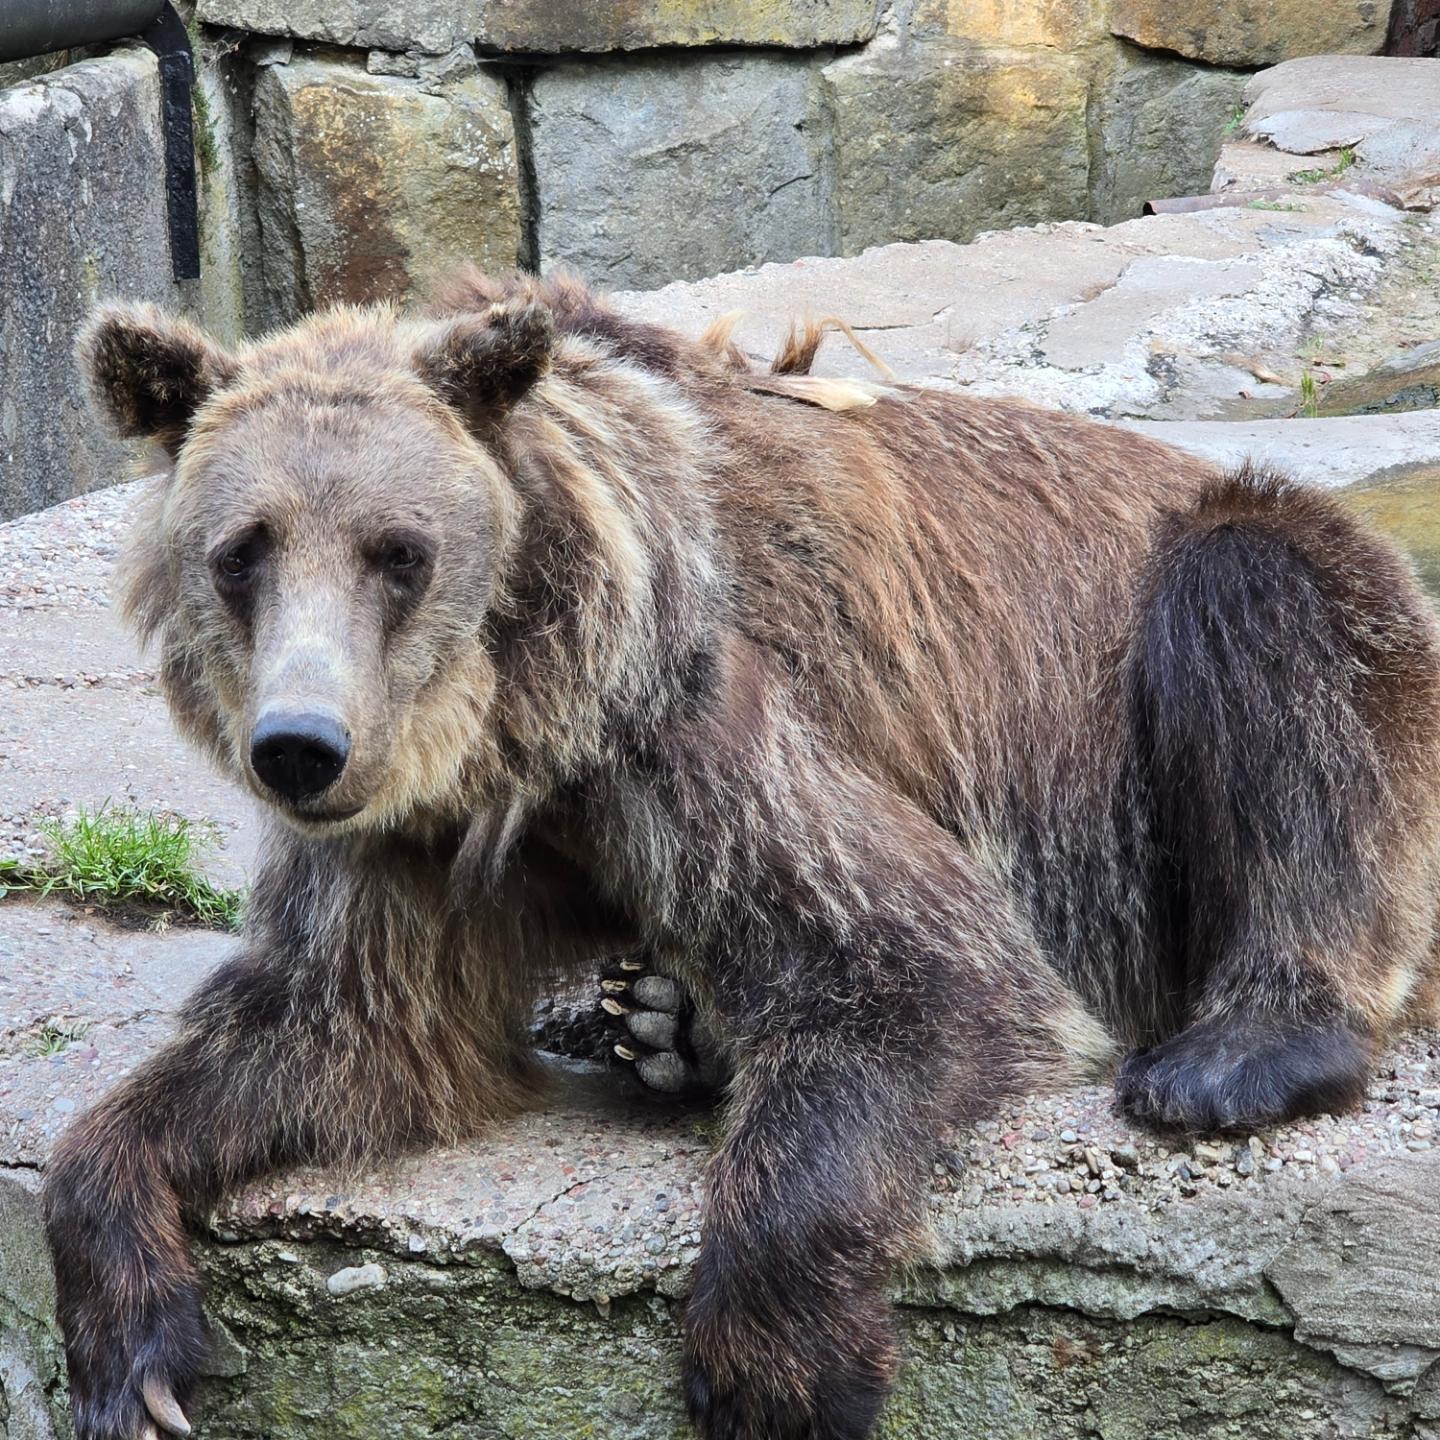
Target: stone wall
(644,143)
(82,217)
(81,169)
(353,151)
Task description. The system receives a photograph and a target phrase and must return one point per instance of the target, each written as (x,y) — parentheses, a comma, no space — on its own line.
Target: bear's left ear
(483,363)
(150,372)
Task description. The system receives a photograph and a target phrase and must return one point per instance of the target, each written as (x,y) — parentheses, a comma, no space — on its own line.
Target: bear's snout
(297,754)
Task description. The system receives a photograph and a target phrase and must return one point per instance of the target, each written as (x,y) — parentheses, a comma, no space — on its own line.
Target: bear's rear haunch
(941,746)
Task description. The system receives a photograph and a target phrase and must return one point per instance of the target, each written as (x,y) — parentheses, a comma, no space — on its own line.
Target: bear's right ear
(150,372)
(483,363)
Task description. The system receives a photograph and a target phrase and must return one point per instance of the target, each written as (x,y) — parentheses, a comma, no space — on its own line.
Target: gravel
(1075,1149)
(64,556)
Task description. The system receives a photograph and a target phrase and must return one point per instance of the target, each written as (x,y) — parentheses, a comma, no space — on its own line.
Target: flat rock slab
(1333,452)
(1185,317)
(1367,120)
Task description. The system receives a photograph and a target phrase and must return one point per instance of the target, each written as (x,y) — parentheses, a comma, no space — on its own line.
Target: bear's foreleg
(890,985)
(331,1037)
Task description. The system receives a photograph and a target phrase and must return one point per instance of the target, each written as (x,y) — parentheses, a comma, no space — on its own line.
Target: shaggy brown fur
(944,747)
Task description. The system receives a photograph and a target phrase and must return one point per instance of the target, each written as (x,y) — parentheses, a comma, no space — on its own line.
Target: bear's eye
(402,556)
(238,561)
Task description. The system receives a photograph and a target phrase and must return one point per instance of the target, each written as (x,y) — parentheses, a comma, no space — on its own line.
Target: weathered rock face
(1062,24)
(371,185)
(1253,32)
(947,138)
(558,26)
(1156,127)
(91,134)
(434,26)
(1414,27)
(32,1365)
(553,26)
(653,169)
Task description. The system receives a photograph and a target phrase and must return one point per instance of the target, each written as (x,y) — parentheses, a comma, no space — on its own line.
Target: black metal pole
(167,37)
(37,27)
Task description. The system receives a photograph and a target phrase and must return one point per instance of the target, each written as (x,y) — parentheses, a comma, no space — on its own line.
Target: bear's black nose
(299,754)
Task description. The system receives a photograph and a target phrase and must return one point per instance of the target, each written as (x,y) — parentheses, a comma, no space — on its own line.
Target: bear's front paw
(133,1391)
(127,1380)
(128,1300)
(838,1403)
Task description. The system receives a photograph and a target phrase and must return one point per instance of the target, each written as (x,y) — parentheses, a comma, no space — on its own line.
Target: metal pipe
(168,38)
(36,27)
(1222,200)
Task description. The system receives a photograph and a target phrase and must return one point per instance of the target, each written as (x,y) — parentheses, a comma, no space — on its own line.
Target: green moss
(207,147)
(462,1348)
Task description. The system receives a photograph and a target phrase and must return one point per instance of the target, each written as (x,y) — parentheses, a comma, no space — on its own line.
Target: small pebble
(355,1277)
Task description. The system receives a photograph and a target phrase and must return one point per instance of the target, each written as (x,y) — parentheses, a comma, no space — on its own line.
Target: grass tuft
(118,857)
(1318,177)
(53,1037)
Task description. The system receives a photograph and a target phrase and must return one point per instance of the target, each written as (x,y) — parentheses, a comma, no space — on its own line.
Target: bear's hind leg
(661,1030)
(1284,667)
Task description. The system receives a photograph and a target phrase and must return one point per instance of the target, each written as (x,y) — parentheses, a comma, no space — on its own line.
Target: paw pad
(660,1032)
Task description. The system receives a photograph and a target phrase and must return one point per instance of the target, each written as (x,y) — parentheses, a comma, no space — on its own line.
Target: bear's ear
(483,363)
(150,372)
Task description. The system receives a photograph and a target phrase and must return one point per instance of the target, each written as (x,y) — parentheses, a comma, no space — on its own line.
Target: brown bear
(940,746)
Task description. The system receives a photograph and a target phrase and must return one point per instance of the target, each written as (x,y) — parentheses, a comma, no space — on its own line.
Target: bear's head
(332,534)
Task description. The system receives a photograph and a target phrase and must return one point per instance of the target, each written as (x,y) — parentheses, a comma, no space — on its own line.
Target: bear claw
(163,1407)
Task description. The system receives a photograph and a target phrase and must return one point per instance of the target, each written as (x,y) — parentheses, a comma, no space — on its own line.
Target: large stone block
(32,1367)
(1253,32)
(553,26)
(370,186)
(662,169)
(943,139)
(557,26)
(1157,126)
(435,26)
(82,215)
(1068,24)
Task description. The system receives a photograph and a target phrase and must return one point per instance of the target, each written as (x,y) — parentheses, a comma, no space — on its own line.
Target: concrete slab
(81,719)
